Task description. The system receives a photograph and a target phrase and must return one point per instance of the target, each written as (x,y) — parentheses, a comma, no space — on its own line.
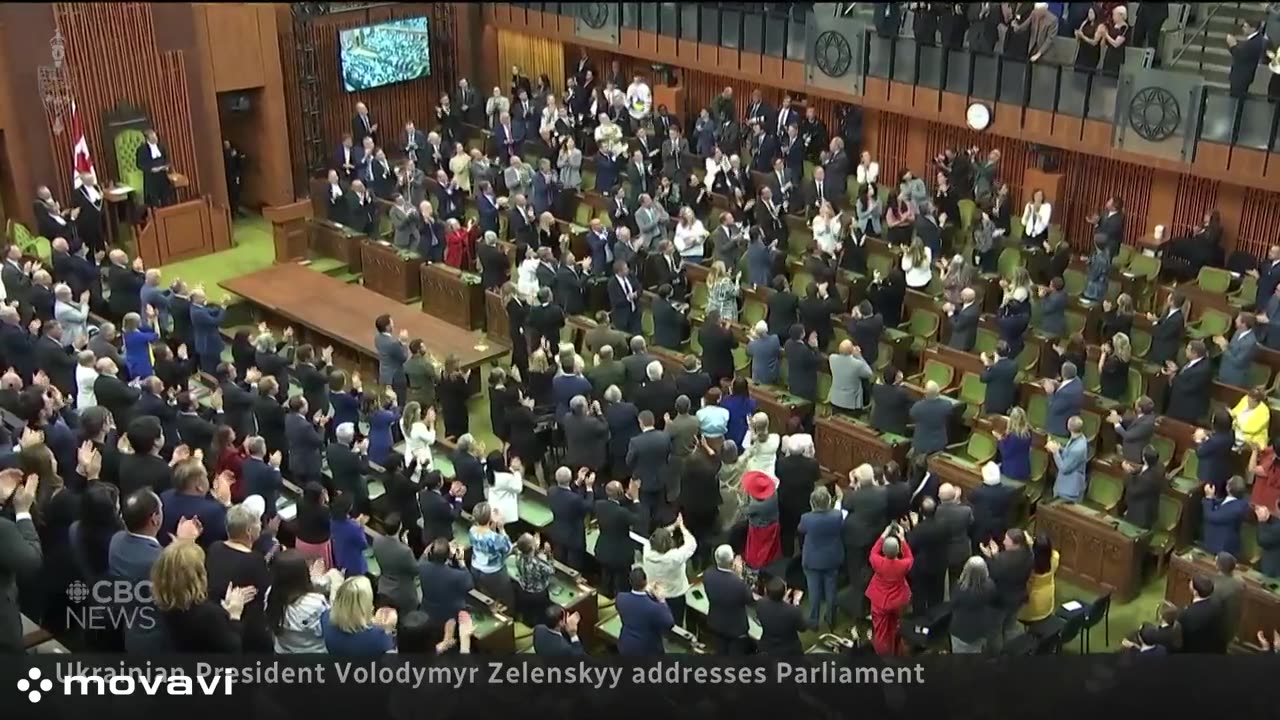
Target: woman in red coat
(459,243)
(764,535)
(888,590)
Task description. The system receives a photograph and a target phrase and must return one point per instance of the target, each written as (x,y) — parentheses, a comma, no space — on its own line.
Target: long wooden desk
(324,310)
(452,295)
(340,242)
(1259,608)
(843,444)
(1098,551)
(389,271)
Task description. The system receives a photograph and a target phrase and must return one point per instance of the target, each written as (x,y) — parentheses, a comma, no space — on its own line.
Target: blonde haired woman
(460,166)
(192,622)
(1253,419)
(722,292)
(1113,367)
(917,264)
(351,627)
(1014,446)
(690,236)
(419,433)
(760,447)
(826,229)
(957,274)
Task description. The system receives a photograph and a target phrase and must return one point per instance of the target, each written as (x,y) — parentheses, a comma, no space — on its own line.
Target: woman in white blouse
(508,483)
(1035,220)
(419,433)
(665,564)
(868,172)
(717,163)
(549,115)
(917,263)
(690,236)
(826,229)
(760,447)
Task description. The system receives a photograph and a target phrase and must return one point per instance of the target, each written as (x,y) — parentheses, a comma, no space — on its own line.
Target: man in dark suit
(569,503)
(728,597)
(1223,517)
(508,135)
(658,394)
(866,327)
(891,403)
(261,474)
(769,218)
(1268,275)
(1201,620)
(1247,51)
(624,294)
(349,467)
(75,270)
(1009,564)
(21,553)
(363,125)
(51,219)
(89,222)
(792,157)
(1142,489)
(1166,331)
(1001,378)
(647,458)
(992,503)
(153,160)
(931,415)
(964,321)
(1110,224)
(1066,400)
(670,324)
(446,582)
(645,618)
(570,285)
(865,506)
(803,359)
(837,166)
(346,158)
(758,111)
(439,506)
(546,320)
(764,149)
(615,550)
(1135,433)
(819,190)
(196,426)
(558,635)
(1190,386)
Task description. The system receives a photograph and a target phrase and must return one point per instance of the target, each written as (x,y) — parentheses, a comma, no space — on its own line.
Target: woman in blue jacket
(1213,451)
(137,344)
(382,414)
(1014,446)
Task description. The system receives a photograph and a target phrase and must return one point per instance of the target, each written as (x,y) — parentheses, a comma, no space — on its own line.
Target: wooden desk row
(1259,606)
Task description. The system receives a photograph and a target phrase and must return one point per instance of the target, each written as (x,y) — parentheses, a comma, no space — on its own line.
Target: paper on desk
(1072,606)
(120,189)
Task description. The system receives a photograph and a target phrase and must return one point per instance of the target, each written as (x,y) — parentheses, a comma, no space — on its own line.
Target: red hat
(759,485)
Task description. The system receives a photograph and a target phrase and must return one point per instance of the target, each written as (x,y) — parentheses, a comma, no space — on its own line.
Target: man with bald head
(616,515)
(964,321)
(931,415)
(124,280)
(849,373)
(865,505)
(74,269)
(113,393)
(957,517)
(41,295)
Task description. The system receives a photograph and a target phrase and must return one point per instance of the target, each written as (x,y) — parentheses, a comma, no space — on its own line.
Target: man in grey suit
(518,178)
(1135,433)
(848,373)
(651,219)
(964,321)
(393,351)
(1237,355)
(673,162)
(398,583)
(405,222)
(20,553)
(931,414)
(1053,309)
(647,458)
(636,366)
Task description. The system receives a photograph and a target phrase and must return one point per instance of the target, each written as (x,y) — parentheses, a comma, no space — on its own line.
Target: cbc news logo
(111,605)
(34,685)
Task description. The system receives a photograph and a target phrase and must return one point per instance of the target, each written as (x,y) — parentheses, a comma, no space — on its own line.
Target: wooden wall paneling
(1192,197)
(1067,130)
(534,56)
(1015,155)
(1090,180)
(666,45)
(1212,157)
(237,57)
(98,36)
(1258,227)
(1247,162)
(1164,202)
(391,106)
(1272,170)
(271,165)
(1229,203)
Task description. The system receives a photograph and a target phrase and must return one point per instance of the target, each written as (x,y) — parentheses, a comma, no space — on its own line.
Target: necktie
(820,198)
(782,121)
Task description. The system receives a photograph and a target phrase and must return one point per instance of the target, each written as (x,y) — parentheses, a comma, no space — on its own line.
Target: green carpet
(253,250)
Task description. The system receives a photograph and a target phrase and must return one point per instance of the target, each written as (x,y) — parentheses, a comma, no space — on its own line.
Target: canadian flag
(81,161)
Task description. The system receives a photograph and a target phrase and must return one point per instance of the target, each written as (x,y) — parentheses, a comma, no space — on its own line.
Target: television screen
(384,54)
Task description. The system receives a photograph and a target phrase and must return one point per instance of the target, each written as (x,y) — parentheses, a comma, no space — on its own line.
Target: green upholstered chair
(126,144)
(980,449)
(1247,292)
(1105,491)
(1214,280)
(1009,261)
(986,341)
(1211,323)
(1140,343)
(1164,533)
(923,328)
(973,393)
(800,282)
(753,311)
(938,372)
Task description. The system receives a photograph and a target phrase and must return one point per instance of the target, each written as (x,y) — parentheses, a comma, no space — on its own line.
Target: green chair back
(646,322)
(986,341)
(1028,358)
(1010,260)
(1247,293)
(877,261)
(838,335)
(1038,410)
(582,216)
(924,324)
(1212,322)
(1168,514)
(1144,266)
(1140,342)
(1105,491)
(1190,464)
(1214,280)
(1074,281)
(939,372)
(1259,375)
(1165,447)
(741,360)
(885,356)
(1249,551)
(824,386)
(1137,386)
(1075,322)
(981,448)
(127,143)
(753,311)
(1092,377)
(800,282)
(972,390)
(1092,423)
(698,298)
(798,244)
(1124,256)
(1039,464)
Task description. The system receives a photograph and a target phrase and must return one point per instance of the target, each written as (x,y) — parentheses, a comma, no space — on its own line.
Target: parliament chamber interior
(632,328)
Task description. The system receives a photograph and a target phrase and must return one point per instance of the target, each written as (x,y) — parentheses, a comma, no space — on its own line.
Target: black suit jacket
(718,345)
(1142,496)
(116,396)
(1245,57)
(866,333)
(547,641)
(1189,392)
(890,408)
(866,520)
(658,398)
(670,326)
(1002,388)
(569,510)
(438,515)
(647,457)
(614,547)
(1202,627)
(1166,336)
(569,288)
(727,599)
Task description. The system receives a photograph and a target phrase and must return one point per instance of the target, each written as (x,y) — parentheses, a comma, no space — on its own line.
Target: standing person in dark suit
(718,343)
(647,457)
(1010,564)
(1135,432)
(992,503)
(645,617)
(1268,275)
(20,553)
(615,550)
(1167,330)
(728,597)
(866,327)
(363,125)
(670,324)
(1190,386)
(783,308)
(153,160)
(1001,378)
(1247,52)
(570,285)
(891,403)
(1224,517)
(803,361)
(569,503)
(623,298)
(90,221)
(439,506)
(781,620)
(931,416)
(928,539)
(1201,620)
(1110,224)
(964,321)
(865,508)
(1142,489)
(558,635)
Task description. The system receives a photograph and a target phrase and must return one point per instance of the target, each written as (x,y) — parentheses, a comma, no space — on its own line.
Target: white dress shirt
(690,238)
(868,173)
(1036,222)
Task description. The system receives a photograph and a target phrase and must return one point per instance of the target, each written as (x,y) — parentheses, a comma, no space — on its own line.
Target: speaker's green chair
(127,143)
